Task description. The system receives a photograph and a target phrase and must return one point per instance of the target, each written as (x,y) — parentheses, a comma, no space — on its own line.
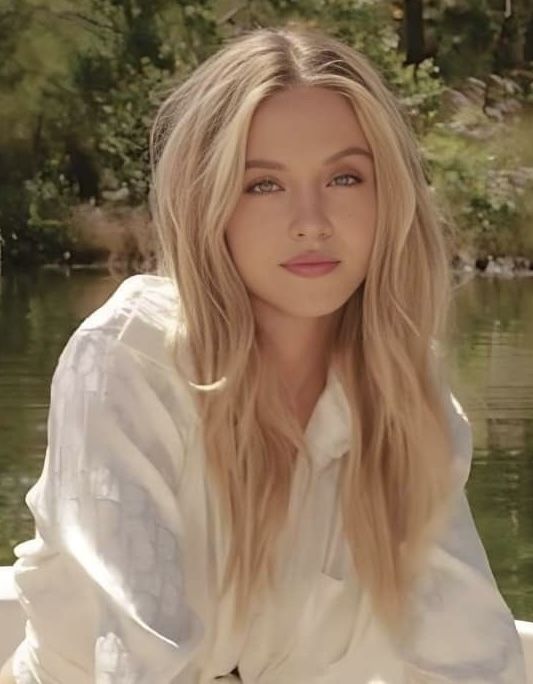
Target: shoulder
(126,342)
(462,436)
(139,314)
(457,419)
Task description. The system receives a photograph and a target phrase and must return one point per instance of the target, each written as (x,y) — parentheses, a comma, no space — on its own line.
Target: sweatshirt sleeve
(464,632)
(101,583)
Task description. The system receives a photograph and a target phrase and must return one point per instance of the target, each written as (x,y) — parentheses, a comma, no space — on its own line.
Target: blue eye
(250,188)
(348,175)
(267,181)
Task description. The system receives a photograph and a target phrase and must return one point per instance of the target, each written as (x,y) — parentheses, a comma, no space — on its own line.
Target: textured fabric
(119,582)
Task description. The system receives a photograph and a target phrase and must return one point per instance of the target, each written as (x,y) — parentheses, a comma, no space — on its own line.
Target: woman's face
(294,200)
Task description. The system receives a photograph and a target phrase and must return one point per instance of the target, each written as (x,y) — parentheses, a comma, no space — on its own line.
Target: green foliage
(123,120)
(91,74)
(50,197)
(421,98)
(488,209)
(466,34)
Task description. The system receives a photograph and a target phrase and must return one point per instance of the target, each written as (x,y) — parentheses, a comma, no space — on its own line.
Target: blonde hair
(396,478)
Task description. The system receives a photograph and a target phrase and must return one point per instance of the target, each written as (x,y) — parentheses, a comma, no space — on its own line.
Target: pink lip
(311,270)
(310,257)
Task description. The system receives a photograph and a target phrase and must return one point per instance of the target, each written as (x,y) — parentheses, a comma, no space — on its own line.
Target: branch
(229,15)
(77,17)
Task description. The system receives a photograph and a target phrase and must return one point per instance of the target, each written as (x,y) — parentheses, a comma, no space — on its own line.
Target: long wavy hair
(395,480)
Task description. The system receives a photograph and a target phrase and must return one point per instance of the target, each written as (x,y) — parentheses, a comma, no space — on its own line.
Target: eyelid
(264,179)
(270,179)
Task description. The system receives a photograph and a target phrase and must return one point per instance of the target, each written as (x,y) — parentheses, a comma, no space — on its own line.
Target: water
(491,366)
(491,372)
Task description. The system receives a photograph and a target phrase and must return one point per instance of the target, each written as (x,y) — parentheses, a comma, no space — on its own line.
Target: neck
(297,349)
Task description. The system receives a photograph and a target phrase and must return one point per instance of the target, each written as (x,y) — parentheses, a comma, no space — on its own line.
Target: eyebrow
(267,164)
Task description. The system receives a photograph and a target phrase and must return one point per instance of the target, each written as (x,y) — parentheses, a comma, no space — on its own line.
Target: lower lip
(311,270)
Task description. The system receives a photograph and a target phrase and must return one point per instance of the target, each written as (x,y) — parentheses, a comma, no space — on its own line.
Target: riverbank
(490,266)
(122,240)
(486,267)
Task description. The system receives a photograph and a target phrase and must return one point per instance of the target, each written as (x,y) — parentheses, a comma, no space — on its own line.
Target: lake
(491,373)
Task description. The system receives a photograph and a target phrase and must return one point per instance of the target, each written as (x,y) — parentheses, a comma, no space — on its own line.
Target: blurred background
(79,85)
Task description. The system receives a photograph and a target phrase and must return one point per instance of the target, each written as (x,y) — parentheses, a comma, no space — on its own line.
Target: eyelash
(249,189)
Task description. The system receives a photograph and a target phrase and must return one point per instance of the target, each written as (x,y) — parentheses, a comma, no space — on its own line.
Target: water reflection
(491,372)
(38,312)
(491,367)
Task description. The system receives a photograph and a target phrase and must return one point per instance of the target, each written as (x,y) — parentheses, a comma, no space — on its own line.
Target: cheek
(238,239)
(354,207)
(246,250)
(356,241)
(250,238)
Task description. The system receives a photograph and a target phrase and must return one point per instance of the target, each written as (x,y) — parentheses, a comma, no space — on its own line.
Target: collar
(328,432)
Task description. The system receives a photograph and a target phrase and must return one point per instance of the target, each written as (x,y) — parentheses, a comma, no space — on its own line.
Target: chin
(311,310)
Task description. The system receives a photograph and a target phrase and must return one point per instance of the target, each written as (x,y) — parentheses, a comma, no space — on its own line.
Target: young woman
(256,469)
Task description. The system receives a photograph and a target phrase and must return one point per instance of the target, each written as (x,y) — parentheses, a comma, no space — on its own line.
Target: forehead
(304,117)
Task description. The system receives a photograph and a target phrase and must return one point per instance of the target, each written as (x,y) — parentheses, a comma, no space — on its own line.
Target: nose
(310,220)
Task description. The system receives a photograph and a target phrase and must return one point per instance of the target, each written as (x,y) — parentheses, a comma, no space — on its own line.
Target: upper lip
(310,258)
